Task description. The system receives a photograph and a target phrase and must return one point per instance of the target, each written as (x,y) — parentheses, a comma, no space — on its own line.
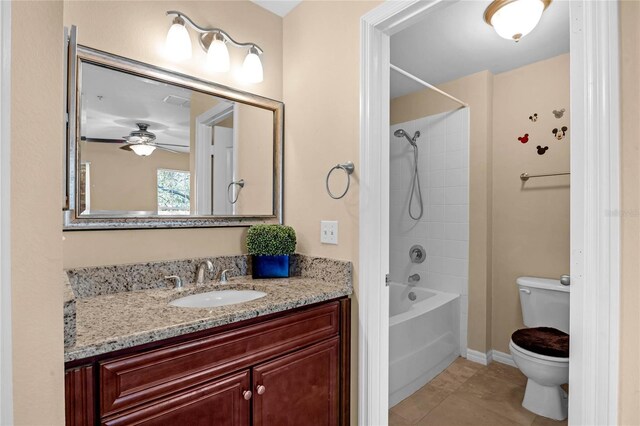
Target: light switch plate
(329,232)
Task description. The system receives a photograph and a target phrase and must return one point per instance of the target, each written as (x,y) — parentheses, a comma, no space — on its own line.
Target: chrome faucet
(176,279)
(224,279)
(200,271)
(414,278)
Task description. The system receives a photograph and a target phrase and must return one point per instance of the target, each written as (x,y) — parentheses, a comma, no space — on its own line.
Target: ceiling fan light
(178,42)
(514,19)
(218,55)
(252,67)
(143,150)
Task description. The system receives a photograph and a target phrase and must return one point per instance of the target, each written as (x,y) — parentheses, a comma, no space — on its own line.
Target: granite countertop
(116,321)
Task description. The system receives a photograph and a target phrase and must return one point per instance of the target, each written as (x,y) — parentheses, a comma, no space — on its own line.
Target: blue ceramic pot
(270,266)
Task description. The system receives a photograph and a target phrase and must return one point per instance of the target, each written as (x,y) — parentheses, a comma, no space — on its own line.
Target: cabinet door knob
(247,394)
(261,389)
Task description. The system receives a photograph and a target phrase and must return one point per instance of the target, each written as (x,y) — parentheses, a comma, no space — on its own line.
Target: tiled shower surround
(443,230)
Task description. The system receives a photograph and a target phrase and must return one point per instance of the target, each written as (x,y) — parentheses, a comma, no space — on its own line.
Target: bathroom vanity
(281,359)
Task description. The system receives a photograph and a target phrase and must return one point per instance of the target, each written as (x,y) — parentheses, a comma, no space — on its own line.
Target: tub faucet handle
(417,254)
(414,278)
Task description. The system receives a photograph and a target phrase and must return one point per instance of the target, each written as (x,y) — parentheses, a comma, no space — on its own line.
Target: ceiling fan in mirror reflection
(141,141)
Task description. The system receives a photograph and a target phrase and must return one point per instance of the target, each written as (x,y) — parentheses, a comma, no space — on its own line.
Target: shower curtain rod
(424,83)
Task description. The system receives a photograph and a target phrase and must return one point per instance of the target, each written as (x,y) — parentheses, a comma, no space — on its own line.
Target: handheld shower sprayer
(415,181)
(401,133)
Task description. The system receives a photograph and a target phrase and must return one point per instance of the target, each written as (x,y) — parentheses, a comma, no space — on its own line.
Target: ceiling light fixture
(514,19)
(214,42)
(142,149)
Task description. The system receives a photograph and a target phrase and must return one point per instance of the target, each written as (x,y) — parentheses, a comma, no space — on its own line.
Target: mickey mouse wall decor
(560,133)
(558,114)
(524,139)
(534,117)
(542,149)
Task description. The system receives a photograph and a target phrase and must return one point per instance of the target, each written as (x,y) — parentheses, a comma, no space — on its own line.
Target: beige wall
(477,91)
(122,180)
(531,221)
(321,94)
(630,180)
(254,160)
(36,182)
(107,25)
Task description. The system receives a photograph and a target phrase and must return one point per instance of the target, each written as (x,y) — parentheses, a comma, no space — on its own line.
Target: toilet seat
(537,357)
(544,341)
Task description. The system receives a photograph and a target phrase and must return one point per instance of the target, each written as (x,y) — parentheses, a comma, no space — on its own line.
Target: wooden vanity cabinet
(290,368)
(219,402)
(299,389)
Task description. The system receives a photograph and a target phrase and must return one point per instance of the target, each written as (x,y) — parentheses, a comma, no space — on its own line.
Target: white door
(222,172)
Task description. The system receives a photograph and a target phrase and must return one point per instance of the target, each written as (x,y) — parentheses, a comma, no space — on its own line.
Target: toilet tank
(545,303)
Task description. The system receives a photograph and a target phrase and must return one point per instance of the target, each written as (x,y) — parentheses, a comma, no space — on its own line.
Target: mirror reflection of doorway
(222,170)
(214,139)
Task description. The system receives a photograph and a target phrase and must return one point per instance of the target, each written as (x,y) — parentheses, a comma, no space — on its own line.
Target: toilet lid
(543,340)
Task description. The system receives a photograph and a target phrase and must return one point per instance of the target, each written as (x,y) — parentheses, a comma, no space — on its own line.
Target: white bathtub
(423,337)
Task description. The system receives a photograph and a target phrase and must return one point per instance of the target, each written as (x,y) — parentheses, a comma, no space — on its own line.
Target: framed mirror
(152,148)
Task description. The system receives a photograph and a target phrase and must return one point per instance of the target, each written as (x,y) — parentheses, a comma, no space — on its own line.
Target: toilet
(541,351)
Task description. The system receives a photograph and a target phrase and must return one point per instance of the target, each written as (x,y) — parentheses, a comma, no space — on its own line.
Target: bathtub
(423,337)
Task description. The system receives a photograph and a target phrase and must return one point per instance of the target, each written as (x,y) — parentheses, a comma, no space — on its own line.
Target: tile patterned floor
(470,394)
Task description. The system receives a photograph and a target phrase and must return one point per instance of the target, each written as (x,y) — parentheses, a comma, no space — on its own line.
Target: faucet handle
(223,276)
(176,278)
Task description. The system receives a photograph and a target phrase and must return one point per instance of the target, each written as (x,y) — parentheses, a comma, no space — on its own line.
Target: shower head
(400,133)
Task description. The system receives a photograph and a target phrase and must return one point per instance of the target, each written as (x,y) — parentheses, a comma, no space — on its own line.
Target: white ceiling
(113,102)
(279,7)
(455,42)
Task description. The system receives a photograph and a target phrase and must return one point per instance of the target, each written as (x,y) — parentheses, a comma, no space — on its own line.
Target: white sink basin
(217,298)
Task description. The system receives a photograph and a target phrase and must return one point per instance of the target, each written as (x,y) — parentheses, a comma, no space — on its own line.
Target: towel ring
(348,167)
(240,183)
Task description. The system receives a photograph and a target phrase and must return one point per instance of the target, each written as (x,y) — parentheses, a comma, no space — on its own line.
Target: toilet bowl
(545,374)
(541,351)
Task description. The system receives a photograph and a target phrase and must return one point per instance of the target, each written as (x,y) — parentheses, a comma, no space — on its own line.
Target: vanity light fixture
(178,43)
(514,19)
(214,42)
(252,67)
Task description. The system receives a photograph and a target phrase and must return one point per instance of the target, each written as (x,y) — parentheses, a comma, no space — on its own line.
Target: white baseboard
(503,358)
(489,357)
(479,357)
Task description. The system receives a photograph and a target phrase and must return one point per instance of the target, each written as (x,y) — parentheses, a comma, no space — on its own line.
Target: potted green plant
(270,247)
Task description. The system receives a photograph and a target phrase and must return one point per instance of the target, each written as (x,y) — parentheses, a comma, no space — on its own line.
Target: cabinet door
(298,389)
(219,403)
(78,391)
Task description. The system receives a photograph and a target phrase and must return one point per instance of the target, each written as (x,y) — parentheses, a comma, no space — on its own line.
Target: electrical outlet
(329,231)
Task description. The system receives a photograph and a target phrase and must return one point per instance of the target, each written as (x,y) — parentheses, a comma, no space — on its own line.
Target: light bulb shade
(252,67)
(515,19)
(218,56)
(178,43)
(143,150)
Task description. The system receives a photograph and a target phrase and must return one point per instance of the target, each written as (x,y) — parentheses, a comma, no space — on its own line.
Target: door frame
(595,204)
(203,151)
(6,365)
